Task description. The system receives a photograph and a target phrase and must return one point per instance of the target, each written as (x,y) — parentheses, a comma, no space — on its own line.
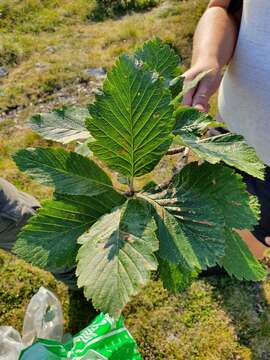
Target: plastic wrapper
(43,318)
(104,339)
(10,343)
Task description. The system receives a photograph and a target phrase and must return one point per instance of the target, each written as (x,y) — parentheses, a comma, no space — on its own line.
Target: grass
(41,61)
(35,16)
(46,46)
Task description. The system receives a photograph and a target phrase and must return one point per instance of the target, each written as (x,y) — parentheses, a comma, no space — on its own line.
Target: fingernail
(199,107)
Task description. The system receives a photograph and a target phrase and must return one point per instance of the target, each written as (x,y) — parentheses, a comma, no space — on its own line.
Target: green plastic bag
(103,339)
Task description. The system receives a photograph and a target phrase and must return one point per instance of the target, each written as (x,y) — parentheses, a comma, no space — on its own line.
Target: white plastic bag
(10,343)
(43,319)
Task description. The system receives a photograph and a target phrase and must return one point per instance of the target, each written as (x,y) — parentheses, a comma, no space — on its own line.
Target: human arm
(214,42)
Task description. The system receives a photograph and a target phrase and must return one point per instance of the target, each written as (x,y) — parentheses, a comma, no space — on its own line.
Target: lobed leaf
(117,255)
(63,125)
(69,172)
(49,240)
(239,261)
(229,148)
(132,120)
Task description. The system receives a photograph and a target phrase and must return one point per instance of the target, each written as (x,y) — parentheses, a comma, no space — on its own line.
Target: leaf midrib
(65,172)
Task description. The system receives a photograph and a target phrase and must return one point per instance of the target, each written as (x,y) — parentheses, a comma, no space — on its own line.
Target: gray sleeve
(15,209)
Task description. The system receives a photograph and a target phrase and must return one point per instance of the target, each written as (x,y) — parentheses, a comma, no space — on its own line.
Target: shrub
(119,230)
(110,8)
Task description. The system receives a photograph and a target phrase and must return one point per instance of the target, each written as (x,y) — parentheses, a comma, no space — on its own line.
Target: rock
(98,73)
(41,66)
(3,72)
(51,49)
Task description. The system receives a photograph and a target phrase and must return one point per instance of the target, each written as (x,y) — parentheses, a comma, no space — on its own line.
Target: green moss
(248,305)
(47,45)
(20,281)
(216,318)
(190,326)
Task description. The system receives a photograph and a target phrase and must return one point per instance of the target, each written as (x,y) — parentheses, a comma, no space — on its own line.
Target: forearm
(215,38)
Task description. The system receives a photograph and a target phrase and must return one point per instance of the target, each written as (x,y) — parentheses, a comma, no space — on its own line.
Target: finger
(201,97)
(188,97)
(202,107)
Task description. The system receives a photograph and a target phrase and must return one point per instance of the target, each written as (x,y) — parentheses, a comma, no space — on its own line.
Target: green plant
(117,230)
(108,8)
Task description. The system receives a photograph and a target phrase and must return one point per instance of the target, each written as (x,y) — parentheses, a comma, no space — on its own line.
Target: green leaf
(191,84)
(132,120)
(229,148)
(239,261)
(194,210)
(174,278)
(49,240)
(255,206)
(190,220)
(117,255)
(83,148)
(175,246)
(176,87)
(192,121)
(233,150)
(68,172)
(159,57)
(222,184)
(186,86)
(63,125)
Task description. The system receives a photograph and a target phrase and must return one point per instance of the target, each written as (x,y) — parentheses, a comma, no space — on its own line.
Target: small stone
(3,72)
(41,65)
(98,73)
(51,49)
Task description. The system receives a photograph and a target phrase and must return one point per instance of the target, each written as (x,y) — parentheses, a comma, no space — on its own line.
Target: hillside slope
(49,65)
(49,49)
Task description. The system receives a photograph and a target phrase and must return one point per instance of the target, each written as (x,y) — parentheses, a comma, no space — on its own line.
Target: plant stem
(176,150)
(131,185)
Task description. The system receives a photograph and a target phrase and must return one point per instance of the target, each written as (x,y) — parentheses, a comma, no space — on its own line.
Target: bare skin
(214,43)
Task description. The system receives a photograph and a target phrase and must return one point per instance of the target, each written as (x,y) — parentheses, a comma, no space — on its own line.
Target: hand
(199,96)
